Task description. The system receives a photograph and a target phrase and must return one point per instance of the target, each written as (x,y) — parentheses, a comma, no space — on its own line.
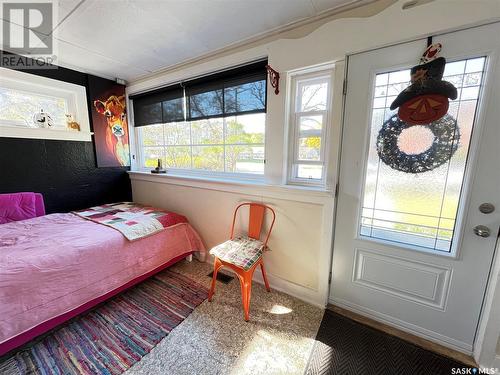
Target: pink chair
(20,206)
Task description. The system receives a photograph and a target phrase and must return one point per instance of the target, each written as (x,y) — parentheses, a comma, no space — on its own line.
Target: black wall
(65,172)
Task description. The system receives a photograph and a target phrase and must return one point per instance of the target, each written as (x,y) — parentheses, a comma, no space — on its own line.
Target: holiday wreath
(445,143)
(423,103)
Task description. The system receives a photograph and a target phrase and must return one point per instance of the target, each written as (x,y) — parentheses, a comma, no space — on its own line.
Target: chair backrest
(255,221)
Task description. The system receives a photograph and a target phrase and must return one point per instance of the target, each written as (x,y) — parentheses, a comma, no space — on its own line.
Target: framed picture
(109,119)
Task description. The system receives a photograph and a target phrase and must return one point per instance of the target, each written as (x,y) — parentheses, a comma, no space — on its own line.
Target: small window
(19,108)
(37,107)
(310,114)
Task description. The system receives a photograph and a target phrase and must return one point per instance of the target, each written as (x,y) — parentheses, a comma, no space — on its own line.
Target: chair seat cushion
(243,252)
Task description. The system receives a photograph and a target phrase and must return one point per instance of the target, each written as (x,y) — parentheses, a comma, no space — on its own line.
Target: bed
(56,266)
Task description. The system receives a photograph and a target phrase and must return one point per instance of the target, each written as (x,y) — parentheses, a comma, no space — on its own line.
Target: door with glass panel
(418,206)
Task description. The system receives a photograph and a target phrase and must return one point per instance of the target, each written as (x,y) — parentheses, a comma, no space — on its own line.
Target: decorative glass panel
(420,209)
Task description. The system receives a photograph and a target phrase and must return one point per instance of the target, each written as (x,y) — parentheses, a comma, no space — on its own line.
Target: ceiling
(133,38)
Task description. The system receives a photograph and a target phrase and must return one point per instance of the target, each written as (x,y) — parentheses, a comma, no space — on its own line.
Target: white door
(405,250)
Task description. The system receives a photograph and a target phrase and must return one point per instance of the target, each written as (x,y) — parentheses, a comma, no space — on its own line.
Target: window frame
(75,96)
(225,79)
(298,79)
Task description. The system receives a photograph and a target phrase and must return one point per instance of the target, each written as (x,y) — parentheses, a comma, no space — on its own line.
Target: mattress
(53,264)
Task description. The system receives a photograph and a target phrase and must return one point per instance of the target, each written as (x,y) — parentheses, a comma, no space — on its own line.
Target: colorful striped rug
(115,335)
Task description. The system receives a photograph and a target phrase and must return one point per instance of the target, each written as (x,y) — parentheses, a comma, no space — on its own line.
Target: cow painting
(113,110)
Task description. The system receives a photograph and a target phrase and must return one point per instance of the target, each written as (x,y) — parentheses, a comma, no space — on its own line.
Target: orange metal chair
(244,254)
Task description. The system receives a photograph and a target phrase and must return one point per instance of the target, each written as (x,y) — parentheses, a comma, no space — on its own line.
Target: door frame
(488,332)
(489,293)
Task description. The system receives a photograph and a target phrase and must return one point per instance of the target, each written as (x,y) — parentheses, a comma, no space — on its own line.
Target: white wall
(300,257)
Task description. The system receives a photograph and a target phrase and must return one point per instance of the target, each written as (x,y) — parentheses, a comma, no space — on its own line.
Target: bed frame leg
(189,258)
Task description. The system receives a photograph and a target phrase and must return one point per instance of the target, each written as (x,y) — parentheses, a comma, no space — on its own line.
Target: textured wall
(64,172)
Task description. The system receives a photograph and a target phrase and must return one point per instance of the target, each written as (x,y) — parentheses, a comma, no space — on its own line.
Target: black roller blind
(237,91)
(233,92)
(159,107)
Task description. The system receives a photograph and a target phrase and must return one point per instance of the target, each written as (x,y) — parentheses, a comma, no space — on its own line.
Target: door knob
(482,231)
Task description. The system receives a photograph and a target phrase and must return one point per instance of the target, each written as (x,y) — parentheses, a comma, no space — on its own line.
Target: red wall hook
(274,78)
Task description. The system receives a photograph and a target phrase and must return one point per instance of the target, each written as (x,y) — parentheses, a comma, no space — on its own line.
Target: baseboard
(437,338)
(308,295)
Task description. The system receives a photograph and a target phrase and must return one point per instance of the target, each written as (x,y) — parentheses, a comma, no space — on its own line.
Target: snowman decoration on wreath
(424,103)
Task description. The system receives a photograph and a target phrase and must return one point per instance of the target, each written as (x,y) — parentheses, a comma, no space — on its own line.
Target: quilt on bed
(56,263)
(133,220)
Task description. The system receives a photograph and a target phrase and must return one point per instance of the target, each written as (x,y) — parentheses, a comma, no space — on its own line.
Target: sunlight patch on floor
(280,310)
(273,353)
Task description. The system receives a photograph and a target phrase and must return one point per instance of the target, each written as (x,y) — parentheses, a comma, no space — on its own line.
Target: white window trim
(75,95)
(296,78)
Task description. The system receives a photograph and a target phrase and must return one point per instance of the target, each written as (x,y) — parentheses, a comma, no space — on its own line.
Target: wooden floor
(416,340)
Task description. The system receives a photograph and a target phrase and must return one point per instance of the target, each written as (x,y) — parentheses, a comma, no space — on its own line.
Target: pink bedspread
(53,264)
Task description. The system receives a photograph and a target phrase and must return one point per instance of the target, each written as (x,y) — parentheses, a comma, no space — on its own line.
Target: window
(18,108)
(233,144)
(419,209)
(213,125)
(26,100)
(310,114)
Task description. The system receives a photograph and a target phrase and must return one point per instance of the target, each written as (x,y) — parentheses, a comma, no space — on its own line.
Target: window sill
(45,133)
(242,186)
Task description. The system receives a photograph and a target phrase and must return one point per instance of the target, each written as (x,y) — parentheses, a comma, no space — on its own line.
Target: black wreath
(446,137)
